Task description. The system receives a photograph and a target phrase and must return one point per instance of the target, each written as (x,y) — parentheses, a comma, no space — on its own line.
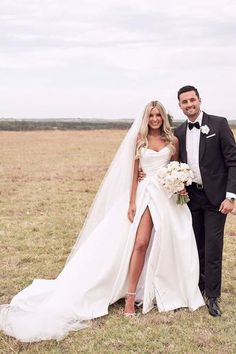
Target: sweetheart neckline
(158,150)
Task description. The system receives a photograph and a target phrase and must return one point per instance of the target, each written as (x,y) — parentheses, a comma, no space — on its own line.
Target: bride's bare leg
(137,259)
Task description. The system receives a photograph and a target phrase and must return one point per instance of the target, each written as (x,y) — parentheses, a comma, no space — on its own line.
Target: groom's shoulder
(214,117)
(215,120)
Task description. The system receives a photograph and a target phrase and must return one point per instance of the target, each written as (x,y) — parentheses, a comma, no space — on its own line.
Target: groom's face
(190,103)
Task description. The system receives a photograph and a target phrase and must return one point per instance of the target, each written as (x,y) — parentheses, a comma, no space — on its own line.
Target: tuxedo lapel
(183,141)
(202,144)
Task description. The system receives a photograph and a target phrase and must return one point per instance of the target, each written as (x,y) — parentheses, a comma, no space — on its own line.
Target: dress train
(96,276)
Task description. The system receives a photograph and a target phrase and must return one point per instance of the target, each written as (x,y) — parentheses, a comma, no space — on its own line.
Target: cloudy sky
(93,58)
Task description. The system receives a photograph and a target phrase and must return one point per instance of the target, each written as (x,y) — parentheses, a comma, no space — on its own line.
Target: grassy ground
(47,182)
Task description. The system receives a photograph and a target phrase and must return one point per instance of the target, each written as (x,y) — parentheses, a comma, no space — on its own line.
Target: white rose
(180,187)
(184,166)
(182,176)
(189,181)
(205,129)
(173,165)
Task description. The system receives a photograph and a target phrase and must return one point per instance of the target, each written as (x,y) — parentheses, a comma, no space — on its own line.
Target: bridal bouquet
(174,177)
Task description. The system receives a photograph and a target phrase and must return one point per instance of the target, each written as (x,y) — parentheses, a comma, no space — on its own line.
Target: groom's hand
(226,206)
(141,174)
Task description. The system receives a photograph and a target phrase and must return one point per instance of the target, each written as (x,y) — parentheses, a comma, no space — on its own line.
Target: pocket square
(210,136)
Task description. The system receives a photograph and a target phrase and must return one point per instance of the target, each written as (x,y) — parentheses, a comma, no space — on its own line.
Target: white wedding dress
(96,276)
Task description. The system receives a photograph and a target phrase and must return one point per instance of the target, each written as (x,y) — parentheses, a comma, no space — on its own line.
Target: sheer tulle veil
(115,185)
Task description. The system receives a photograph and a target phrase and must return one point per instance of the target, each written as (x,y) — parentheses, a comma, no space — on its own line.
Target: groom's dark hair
(187,89)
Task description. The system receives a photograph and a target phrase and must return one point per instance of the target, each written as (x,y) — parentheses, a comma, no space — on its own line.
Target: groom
(208,146)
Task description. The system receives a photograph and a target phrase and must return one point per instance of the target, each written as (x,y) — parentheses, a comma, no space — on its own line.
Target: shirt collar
(199,118)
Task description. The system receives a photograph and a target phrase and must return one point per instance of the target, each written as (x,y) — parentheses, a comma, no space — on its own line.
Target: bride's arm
(132,203)
(175,156)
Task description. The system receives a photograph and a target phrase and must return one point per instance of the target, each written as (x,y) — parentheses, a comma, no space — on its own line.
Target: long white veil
(115,184)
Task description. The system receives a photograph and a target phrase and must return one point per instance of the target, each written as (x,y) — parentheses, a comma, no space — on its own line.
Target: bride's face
(155,119)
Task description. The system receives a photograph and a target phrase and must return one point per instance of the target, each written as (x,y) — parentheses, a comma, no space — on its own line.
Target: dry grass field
(48,180)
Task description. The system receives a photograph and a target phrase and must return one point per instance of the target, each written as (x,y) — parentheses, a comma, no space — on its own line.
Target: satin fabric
(96,276)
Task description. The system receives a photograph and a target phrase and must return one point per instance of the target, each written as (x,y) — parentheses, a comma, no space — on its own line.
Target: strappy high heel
(129,314)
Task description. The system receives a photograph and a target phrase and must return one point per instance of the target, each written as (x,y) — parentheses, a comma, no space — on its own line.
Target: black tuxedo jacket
(217,157)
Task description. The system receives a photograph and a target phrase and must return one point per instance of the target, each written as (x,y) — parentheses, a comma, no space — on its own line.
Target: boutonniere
(205,129)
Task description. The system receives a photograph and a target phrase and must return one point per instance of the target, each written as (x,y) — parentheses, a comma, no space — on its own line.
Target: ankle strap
(131,294)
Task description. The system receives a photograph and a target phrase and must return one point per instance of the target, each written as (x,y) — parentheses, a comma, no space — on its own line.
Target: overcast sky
(107,59)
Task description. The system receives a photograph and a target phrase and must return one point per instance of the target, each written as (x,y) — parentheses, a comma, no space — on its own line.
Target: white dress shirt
(192,147)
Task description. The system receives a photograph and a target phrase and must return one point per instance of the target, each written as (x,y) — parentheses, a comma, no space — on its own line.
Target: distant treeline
(63,124)
(70,124)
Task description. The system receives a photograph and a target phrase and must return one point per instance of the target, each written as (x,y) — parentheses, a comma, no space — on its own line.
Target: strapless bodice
(151,160)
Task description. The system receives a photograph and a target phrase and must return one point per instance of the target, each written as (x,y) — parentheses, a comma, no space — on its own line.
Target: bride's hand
(131,212)
(183,192)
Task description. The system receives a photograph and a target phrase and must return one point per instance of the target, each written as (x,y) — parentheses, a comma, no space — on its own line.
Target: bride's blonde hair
(165,129)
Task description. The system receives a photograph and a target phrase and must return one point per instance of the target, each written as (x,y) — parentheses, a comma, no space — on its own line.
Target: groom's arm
(228,147)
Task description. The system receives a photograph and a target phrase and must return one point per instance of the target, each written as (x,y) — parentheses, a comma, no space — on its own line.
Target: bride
(149,255)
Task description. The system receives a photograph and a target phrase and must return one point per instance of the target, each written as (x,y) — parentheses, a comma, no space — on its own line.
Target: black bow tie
(196,125)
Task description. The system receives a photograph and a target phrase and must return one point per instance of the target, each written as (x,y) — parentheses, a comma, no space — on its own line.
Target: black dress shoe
(213,306)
